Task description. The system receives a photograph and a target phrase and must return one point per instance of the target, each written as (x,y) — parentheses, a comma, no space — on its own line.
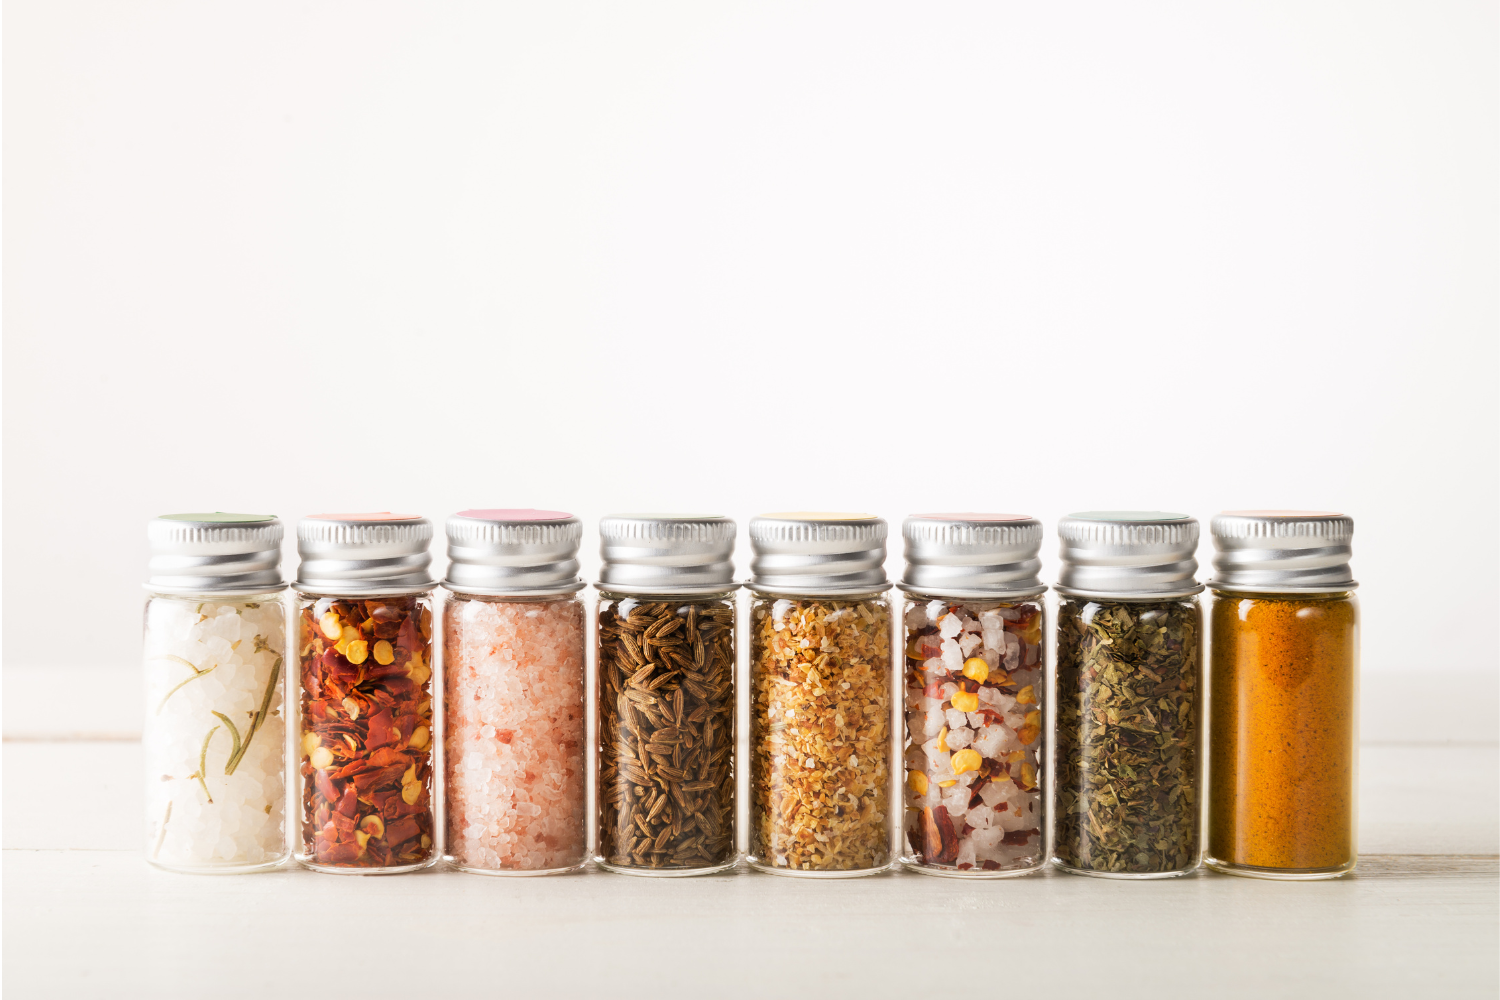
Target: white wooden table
(85,916)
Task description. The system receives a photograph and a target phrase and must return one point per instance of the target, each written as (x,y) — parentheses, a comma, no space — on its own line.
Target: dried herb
(820,705)
(238,753)
(366,732)
(666,733)
(1127,736)
(196,673)
(974,735)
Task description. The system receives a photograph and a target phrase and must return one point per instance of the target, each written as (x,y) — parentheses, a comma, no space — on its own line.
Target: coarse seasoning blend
(1129,641)
(666,694)
(1284,663)
(820,698)
(215,656)
(364,641)
(514,731)
(974,687)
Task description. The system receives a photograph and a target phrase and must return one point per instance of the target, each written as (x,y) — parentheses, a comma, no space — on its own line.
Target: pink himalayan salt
(515,733)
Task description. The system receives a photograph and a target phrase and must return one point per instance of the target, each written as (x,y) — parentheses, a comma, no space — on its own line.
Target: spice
(666,732)
(214,739)
(1127,735)
(1282,745)
(820,708)
(974,734)
(514,734)
(366,740)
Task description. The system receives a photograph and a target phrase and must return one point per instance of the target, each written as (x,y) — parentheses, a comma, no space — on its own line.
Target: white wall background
(294,257)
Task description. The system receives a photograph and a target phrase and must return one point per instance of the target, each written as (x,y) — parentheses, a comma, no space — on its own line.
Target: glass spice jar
(364,621)
(820,696)
(1283,709)
(514,731)
(1129,644)
(666,698)
(974,692)
(215,652)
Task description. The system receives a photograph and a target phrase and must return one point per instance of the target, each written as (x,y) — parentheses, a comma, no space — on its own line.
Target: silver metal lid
(215,554)
(364,555)
(1282,551)
(517,553)
(815,553)
(972,555)
(666,553)
(1112,553)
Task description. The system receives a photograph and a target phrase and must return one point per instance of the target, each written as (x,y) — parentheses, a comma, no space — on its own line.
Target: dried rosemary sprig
(1127,735)
(666,733)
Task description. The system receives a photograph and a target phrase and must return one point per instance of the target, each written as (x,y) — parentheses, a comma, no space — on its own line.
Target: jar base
(458,866)
(1127,876)
(666,872)
(348,870)
(228,868)
(761,866)
(913,865)
(1280,874)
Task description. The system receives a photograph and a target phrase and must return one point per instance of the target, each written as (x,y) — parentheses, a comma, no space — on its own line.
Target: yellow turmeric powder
(1283,753)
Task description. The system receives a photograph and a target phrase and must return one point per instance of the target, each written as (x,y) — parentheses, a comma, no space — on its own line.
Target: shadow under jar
(1284,666)
(514,730)
(975,684)
(666,696)
(214,738)
(820,696)
(1129,681)
(364,634)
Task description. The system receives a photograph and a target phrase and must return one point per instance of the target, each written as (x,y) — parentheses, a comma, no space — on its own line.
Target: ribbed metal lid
(817,553)
(513,552)
(215,554)
(359,555)
(666,553)
(972,555)
(1111,553)
(1282,551)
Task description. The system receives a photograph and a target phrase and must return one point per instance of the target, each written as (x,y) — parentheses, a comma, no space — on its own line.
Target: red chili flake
(366,732)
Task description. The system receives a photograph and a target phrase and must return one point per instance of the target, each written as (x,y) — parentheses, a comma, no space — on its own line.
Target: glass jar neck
(715,595)
(222,597)
(858,595)
(1282,595)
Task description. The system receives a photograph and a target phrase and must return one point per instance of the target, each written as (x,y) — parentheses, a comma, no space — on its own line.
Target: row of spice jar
(965,685)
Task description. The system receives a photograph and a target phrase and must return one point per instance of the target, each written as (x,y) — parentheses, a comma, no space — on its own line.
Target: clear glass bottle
(666,695)
(820,696)
(1284,671)
(975,686)
(364,640)
(214,657)
(515,739)
(1129,680)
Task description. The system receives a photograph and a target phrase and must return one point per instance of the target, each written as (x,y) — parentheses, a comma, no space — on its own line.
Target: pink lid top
(383,515)
(976,517)
(515,514)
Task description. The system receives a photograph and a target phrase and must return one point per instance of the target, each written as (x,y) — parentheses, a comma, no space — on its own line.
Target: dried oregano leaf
(1128,680)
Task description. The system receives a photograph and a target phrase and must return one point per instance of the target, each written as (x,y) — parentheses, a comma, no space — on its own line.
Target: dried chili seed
(366,741)
(666,732)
